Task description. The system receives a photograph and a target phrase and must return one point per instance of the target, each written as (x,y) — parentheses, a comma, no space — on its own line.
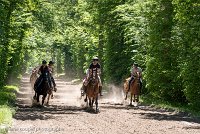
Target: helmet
(95,58)
(135,64)
(44,62)
(51,62)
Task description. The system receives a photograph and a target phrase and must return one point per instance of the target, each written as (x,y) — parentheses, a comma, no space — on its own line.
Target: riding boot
(100,90)
(83,90)
(55,89)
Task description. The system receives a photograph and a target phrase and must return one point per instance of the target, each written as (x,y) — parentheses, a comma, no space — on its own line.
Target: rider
(134,70)
(50,66)
(42,70)
(94,66)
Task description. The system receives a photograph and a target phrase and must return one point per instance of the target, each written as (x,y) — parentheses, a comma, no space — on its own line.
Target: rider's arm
(132,71)
(98,71)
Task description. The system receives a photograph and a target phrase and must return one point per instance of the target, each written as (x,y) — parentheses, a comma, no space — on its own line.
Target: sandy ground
(67,114)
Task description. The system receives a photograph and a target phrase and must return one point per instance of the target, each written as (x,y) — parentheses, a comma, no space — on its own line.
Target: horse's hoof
(97,111)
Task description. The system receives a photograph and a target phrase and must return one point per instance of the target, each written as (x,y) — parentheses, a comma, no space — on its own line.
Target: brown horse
(134,89)
(33,79)
(92,91)
(45,88)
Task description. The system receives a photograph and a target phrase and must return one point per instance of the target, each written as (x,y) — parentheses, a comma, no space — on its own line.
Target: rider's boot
(100,90)
(55,89)
(83,90)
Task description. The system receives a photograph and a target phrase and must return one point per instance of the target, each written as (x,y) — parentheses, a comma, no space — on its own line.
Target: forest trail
(66,114)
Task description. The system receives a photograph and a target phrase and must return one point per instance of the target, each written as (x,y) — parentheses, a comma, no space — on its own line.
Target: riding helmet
(44,62)
(95,58)
(51,62)
(135,64)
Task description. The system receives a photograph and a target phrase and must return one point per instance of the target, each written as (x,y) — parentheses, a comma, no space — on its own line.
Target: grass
(179,107)
(7,101)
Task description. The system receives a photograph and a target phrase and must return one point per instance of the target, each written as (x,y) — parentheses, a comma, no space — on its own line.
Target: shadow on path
(44,113)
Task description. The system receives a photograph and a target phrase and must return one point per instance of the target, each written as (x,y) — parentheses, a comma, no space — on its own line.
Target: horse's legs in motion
(49,94)
(126,95)
(38,96)
(35,97)
(85,99)
(90,103)
(96,102)
(131,99)
(43,98)
(52,95)
(137,99)
(134,98)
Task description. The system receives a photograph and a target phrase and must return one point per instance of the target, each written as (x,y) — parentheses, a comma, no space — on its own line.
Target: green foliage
(162,36)
(187,31)
(7,95)
(162,70)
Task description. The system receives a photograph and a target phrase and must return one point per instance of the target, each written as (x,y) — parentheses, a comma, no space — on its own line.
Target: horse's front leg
(43,98)
(96,102)
(52,95)
(90,103)
(85,98)
(134,98)
(38,97)
(131,99)
(35,97)
(48,98)
(137,100)
(126,95)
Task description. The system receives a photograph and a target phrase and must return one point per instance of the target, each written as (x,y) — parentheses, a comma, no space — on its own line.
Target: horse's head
(94,79)
(137,75)
(46,75)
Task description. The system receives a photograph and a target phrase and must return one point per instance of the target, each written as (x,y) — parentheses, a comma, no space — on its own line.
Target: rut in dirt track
(66,114)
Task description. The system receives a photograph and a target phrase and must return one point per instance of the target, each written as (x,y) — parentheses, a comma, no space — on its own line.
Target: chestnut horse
(92,90)
(134,89)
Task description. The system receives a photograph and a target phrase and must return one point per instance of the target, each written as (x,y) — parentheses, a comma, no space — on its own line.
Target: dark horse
(92,90)
(134,89)
(44,88)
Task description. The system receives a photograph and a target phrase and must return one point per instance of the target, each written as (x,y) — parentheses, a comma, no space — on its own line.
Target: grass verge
(7,109)
(179,107)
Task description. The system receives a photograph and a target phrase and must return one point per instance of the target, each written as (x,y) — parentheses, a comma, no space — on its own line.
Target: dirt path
(66,115)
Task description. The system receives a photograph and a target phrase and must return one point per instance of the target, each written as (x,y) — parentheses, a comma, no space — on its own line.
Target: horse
(134,89)
(45,88)
(92,91)
(33,78)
